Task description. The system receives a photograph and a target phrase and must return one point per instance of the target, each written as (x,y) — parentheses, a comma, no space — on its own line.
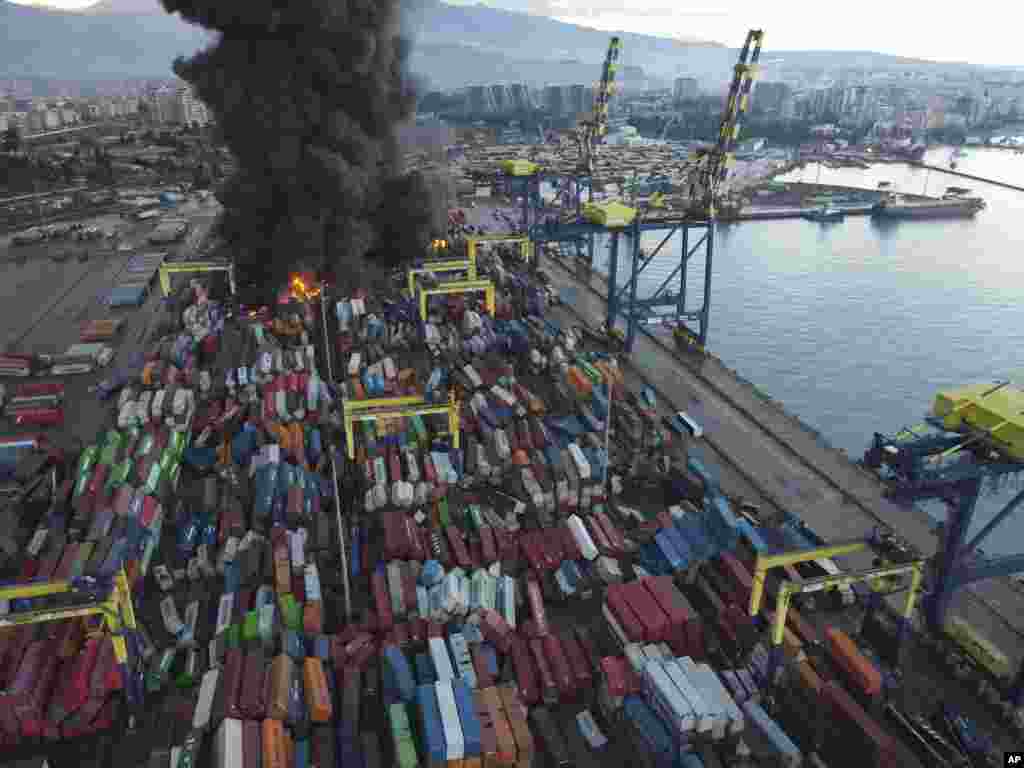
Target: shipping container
(783,752)
(861,672)
(851,735)
(544,725)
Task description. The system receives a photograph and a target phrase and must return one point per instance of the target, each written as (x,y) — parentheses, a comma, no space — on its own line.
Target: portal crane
(969,442)
(712,163)
(591,131)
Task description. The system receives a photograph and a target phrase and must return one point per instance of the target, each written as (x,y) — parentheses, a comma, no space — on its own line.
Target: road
(45,303)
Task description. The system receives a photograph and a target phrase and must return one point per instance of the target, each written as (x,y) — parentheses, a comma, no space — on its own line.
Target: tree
(12,139)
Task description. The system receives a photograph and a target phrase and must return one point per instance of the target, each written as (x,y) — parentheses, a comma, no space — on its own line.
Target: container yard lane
(790,467)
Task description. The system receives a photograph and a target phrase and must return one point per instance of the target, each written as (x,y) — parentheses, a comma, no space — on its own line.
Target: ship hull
(923,212)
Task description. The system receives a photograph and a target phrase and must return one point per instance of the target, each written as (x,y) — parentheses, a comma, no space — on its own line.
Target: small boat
(884,184)
(825,213)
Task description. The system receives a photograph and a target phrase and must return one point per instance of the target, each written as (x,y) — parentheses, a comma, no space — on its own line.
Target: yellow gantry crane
(590,131)
(114,608)
(189,267)
(712,163)
(395,408)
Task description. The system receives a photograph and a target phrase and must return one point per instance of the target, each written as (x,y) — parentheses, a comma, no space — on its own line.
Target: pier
(962,175)
(789,467)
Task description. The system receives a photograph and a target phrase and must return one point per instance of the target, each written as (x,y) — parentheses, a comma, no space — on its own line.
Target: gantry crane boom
(592,130)
(713,162)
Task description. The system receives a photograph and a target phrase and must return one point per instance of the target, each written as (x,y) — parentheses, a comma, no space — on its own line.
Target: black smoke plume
(308,95)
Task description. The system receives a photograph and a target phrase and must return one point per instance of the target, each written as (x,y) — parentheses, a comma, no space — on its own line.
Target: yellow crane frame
(178,267)
(790,588)
(117,611)
(460,265)
(525,247)
(394,408)
(456,286)
(764,563)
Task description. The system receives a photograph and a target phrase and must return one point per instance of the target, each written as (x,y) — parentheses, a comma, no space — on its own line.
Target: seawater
(855,325)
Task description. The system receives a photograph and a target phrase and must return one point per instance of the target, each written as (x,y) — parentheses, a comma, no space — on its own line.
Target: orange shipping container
(847,655)
(505,741)
(318,698)
(282,671)
(516,713)
(275,754)
(806,678)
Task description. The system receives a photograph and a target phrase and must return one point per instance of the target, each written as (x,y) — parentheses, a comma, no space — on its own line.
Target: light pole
(334,466)
(608,434)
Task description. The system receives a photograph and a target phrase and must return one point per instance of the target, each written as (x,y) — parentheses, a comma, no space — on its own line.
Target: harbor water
(854,325)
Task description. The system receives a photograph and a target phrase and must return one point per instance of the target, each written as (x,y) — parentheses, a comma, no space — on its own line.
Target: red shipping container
(9,723)
(76,687)
(655,622)
(476,554)
(409,592)
(488,548)
(615,537)
(551,544)
(619,604)
(458,547)
(496,630)
(532,552)
(560,668)
(613,672)
(484,679)
(252,692)
(38,699)
(545,675)
(28,675)
(536,601)
(382,601)
(738,577)
(32,728)
(526,672)
(19,640)
(41,417)
(361,657)
(577,659)
(106,675)
(839,706)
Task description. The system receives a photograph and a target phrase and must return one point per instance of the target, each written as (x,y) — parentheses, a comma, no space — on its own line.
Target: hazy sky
(901,27)
(887,26)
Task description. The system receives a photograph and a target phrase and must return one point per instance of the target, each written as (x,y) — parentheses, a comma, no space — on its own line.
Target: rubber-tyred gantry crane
(971,441)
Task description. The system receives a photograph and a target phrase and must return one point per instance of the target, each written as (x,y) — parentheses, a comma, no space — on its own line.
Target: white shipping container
(442,663)
(690,693)
(227,745)
(204,705)
(454,741)
(582,537)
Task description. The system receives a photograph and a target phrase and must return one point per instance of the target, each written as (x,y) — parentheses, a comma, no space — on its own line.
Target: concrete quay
(788,464)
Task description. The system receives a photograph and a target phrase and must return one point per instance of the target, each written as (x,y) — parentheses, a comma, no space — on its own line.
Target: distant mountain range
(455,46)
